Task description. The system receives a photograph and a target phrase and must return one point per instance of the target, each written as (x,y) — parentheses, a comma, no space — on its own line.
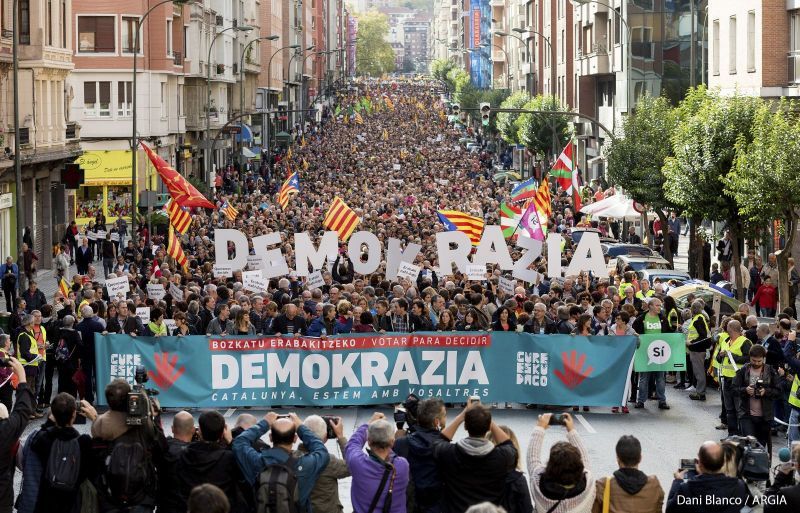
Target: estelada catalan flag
(290,186)
(184,193)
(454,220)
(341,219)
(229,211)
(178,217)
(174,248)
(63,286)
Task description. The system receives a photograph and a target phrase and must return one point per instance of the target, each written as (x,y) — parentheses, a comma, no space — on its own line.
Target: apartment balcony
(794,67)
(597,62)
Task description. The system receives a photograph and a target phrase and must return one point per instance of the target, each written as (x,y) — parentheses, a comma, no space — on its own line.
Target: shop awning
(248,154)
(106,167)
(246,134)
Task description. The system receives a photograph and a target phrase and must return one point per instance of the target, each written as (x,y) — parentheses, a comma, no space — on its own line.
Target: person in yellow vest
(156,327)
(698,341)
(791,353)
(732,354)
(28,354)
(645,291)
(40,334)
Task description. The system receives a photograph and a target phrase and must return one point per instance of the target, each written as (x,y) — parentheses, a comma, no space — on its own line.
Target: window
(642,39)
(715,48)
(751,41)
(563,45)
(49,22)
(169,38)
(124,99)
(63,23)
(128,27)
(96,34)
(97,99)
(163,100)
(180,103)
(24,20)
(732,45)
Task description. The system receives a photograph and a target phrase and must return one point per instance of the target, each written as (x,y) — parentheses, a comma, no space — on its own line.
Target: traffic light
(486,109)
(72,176)
(456,109)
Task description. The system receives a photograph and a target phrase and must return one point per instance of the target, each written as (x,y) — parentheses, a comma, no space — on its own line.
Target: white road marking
(585,424)
(229,412)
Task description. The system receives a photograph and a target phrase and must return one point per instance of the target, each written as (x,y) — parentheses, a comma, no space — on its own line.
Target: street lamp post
(239,28)
(289,70)
(17,157)
(268,124)
(134,142)
(241,74)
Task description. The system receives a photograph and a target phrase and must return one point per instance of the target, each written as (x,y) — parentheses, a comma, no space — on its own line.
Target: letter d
(224,371)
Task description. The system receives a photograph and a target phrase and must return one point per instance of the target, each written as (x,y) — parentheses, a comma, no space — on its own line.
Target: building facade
(48,134)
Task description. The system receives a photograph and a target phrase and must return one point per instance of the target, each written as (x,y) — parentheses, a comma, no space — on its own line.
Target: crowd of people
(396,160)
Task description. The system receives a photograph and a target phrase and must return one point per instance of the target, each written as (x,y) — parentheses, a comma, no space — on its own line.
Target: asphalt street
(666,436)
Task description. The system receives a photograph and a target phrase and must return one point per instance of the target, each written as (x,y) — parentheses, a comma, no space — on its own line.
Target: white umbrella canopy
(616,206)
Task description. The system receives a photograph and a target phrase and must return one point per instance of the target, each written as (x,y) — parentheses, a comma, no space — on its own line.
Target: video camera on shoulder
(139,399)
(405,414)
(752,459)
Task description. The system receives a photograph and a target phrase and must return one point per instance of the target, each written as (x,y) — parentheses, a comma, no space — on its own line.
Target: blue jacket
(309,466)
(14,269)
(316,326)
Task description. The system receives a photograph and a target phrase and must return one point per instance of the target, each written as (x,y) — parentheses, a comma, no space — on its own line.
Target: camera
(330,421)
(406,413)
(5,361)
(138,399)
(759,384)
(400,416)
(474,399)
(687,464)
(557,419)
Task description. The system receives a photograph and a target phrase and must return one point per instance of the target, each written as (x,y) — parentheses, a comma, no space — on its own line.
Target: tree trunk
(695,251)
(665,244)
(783,263)
(736,263)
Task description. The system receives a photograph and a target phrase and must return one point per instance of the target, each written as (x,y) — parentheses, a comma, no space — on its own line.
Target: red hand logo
(166,373)
(573,374)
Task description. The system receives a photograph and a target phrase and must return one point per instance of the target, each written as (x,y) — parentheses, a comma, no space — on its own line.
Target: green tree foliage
(440,70)
(507,122)
(536,130)
(636,159)
(374,55)
(703,155)
(767,177)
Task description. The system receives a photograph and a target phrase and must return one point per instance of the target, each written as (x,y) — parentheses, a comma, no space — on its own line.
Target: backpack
(277,488)
(129,472)
(64,465)
(62,352)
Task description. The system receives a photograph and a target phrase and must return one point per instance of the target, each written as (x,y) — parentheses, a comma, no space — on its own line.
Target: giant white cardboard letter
(493,249)
(458,256)
(221,238)
(395,254)
(274,260)
(374,251)
(305,251)
(581,261)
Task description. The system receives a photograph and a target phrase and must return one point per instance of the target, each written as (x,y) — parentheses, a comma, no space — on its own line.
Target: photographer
(210,460)
(756,385)
(692,494)
(564,483)
(325,494)
(630,488)
(417,447)
(169,496)
(474,469)
(128,454)
(784,493)
(10,430)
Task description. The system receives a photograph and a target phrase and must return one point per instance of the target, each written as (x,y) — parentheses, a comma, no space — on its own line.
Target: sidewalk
(48,284)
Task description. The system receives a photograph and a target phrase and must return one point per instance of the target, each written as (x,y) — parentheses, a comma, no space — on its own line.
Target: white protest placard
(143,313)
(91,235)
(117,286)
(255,262)
(476,272)
(507,285)
(224,271)
(170,324)
(175,292)
(115,237)
(408,271)
(156,291)
(315,280)
(255,281)
(101,234)
(396,167)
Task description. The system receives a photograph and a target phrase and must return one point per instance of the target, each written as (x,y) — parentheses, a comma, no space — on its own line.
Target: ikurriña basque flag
(454,220)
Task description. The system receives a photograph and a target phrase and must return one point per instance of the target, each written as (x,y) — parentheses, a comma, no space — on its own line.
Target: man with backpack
(65,461)
(283,478)
(128,454)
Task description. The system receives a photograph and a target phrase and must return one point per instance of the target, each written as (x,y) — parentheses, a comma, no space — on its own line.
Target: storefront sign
(6,200)
(212,372)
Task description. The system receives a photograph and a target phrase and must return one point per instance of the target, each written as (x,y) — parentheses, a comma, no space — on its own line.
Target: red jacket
(766,297)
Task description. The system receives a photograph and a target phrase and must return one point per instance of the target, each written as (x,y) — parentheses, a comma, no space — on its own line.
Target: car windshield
(647,264)
(615,251)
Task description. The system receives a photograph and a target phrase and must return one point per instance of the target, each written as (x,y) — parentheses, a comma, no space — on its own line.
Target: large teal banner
(210,372)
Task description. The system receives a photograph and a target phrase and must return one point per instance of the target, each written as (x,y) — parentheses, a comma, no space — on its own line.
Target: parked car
(577,233)
(617,249)
(728,304)
(640,263)
(663,275)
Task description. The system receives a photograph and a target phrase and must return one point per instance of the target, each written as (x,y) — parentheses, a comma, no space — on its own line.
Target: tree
(506,121)
(536,131)
(441,68)
(703,155)
(636,159)
(374,55)
(767,178)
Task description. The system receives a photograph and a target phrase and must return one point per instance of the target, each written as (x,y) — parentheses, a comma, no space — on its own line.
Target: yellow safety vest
(649,293)
(693,334)
(794,395)
(727,367)
(722,344)
(34,350)
(44,338)
(623,286)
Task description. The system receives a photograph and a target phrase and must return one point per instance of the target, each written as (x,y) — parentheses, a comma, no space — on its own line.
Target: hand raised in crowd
(18,369)
(295,419)
(376,417)
(271,417)
(338,427)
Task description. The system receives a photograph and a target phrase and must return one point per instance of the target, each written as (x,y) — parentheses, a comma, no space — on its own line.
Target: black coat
(638,324)
(693,493)
(772,384)
(82,258)
(418,448)
(281,324)
(54,501)
(10,430)
(170,499)
(209,462)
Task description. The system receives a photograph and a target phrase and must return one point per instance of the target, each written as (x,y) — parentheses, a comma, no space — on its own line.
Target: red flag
(155,271)
(182,192)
